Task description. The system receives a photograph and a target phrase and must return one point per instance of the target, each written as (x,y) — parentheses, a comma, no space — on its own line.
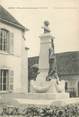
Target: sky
(63,16)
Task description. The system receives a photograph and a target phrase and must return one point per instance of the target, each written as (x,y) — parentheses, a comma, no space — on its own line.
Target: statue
(52,44)
(46,28)
(35,71)
(52,74)
(52,64)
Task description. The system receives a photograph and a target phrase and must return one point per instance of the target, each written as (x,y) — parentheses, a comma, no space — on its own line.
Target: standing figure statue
(52,65)
(52,74)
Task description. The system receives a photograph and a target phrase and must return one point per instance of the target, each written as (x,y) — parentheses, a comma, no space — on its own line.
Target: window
(6,80)
(3,80)
(4,40)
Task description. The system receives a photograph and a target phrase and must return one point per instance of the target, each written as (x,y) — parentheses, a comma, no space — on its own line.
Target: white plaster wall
(15,61)
(24,68)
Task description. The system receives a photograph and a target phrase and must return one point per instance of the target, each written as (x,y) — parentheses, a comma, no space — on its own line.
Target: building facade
(67,67)
(13,54)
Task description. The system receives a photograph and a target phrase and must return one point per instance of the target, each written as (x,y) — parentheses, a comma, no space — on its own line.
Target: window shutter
(11,43)
(11,77)
(0,38)
(0,32)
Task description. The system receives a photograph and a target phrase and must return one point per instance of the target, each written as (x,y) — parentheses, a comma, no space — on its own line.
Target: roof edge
(15,25)
(68,52)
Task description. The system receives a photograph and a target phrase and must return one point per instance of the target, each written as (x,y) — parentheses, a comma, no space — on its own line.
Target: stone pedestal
(45,44)
(48,96)
(41,85)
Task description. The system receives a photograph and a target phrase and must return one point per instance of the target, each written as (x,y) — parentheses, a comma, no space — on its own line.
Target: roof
(6,17)
(67,63)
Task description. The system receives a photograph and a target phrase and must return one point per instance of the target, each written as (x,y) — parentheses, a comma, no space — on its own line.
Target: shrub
(71,110)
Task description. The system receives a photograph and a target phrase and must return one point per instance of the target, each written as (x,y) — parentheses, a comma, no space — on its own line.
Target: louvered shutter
(11,77)
(0,38)
(11,43)
(8,38)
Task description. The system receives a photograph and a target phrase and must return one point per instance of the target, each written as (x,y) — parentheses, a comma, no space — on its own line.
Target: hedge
(71,110)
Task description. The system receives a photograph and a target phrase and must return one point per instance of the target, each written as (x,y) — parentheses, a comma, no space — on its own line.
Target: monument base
(50,87)
(48,96)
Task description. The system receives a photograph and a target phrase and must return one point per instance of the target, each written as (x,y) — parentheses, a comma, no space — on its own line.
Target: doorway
(78,88)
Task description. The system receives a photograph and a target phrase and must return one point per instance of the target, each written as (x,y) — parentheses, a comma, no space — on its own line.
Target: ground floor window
(6,80)
(3,79)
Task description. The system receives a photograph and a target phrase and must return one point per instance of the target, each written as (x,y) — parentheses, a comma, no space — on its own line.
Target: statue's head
(46,23)
(46,27)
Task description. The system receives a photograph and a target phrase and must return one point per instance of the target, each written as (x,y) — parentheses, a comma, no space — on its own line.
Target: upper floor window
(6,40)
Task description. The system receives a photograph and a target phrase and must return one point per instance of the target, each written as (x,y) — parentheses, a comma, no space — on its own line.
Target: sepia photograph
(39,58)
